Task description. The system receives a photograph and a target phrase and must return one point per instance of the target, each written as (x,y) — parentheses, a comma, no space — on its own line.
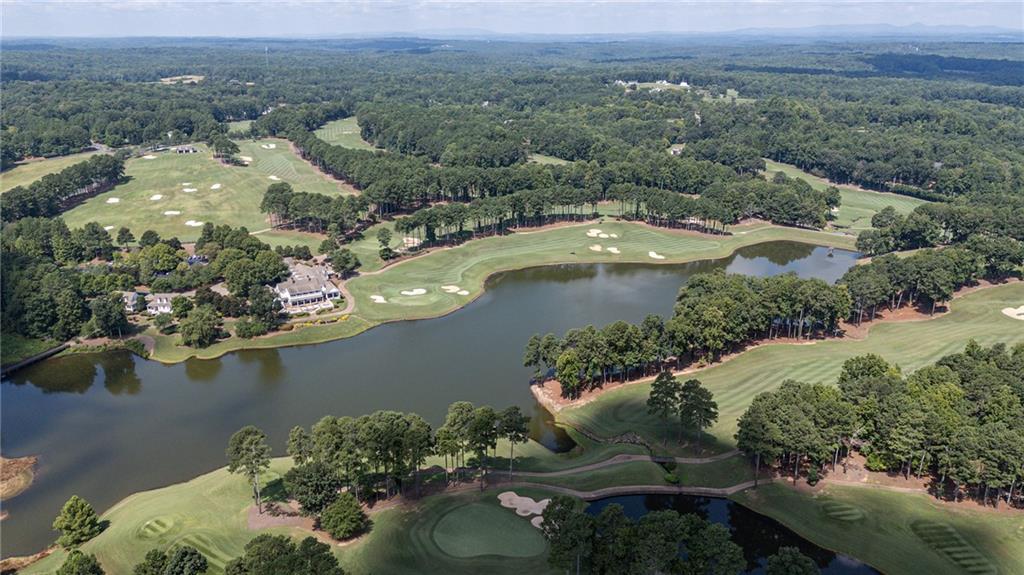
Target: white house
(307,287)
(129,298)
(159,303)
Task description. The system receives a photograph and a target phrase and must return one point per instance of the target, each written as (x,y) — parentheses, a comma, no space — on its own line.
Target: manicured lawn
(344,133)
(469,265)
(632,473)
(542,159)
(899,533)
(735,382)
(239,126)
(235,202)
(14,348)
(25,173)
(857,205)
(208,512)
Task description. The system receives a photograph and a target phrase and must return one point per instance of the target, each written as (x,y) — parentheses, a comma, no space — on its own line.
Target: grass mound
(159,528)
(842,511)
(482,528)
(946,540)
(217,549)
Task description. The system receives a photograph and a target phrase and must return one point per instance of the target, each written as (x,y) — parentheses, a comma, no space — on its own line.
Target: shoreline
(809,237)
(548,392)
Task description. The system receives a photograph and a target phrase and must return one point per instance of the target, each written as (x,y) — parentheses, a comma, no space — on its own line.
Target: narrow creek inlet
(107,425)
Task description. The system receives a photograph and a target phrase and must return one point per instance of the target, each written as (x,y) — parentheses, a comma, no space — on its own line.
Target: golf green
(486,528)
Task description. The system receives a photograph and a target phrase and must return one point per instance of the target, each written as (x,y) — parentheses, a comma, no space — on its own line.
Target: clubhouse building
(309,288)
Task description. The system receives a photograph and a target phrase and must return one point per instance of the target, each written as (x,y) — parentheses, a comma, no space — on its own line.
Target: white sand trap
(186,183)
(156,197)
(108,228)
(603,236)
(1015,312)
(172,213)
(190,190)
(245,158)
(656,255)
(614,235)
(463,292)
(524,506)
(416,291)
(450,289)
(275,178)
(378,299)
(215,187)
(595,248)
(537,521)
(268,146)
(149,157)
(193,224)
(593,232)
(613,250)
(113,200)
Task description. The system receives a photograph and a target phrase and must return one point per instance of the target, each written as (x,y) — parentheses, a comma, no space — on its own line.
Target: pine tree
(77,523)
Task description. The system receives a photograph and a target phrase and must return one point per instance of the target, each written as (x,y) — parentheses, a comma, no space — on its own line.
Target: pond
(759,536)
(107,425)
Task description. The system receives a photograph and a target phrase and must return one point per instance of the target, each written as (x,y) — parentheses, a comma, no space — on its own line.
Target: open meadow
(174,194)
(344,133)
(24,173)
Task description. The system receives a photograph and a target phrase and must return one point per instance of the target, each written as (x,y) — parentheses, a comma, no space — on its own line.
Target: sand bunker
(613,250)
(246,159)
(215,187)
(463,292)
(275,178)
(656,255)
(614,235)
(537,521)
(172,213)
(156,197)
(193,224)
(113,200)
(190,190)
(268,146)
(603,236)
(149,157)
(415,291)
(595,248)
(450,289)
(108,228)
(524,506)
(594,232)
(186,183)
(1015,312)
(378,299)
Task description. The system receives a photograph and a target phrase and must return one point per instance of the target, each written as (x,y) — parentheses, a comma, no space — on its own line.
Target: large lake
(107,425)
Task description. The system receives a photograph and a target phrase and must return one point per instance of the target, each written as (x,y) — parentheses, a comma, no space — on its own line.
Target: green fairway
(239,126)
(549,160)
(25,173)
(481,528)
(156,190)
(344,133)
(208,512)
(871,523)
(469,265)
(735,382)
(857,206)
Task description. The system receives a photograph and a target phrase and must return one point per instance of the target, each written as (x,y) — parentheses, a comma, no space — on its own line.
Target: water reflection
(759,536)
(146,427)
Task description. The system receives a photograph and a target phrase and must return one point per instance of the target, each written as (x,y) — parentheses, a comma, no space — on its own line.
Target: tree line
(713,313)
(53,193)
(959,422)
(610,542)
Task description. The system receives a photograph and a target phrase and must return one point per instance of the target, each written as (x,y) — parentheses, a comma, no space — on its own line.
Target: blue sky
(332,18)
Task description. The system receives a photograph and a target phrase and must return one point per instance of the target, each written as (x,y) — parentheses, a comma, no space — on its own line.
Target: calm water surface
(107,425)
(759,536)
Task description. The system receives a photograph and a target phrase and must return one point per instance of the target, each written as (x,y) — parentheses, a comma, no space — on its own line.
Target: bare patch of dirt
(16,475)
(14,564)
